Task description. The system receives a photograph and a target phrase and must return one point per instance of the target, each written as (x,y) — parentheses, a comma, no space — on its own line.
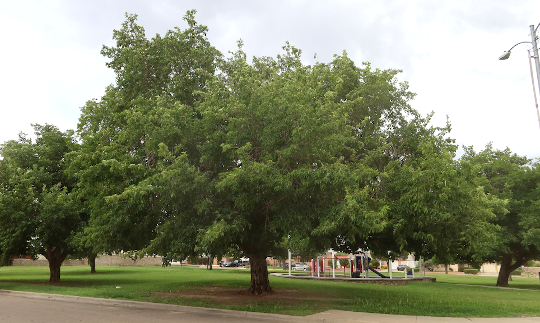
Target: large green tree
(38,212)
(281,156)
(517,180)
(189,152)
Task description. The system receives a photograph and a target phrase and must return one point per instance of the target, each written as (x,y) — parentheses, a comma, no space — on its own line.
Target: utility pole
(535,51)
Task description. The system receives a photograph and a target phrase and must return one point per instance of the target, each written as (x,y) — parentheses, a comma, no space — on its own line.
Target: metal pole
(535,50)
(367,269)
(421,271)
(363,269)
(290,262)
(534,88)
(389,265)
(333,264)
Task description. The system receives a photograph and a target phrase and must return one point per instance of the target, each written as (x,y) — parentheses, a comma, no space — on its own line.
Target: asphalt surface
(23,307)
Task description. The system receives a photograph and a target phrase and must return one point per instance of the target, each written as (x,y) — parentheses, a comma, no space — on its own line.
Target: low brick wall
(116,260)
(534,271)
(103,260)
(45,262)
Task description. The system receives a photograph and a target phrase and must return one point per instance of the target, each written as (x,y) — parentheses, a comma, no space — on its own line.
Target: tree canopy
(158,82)
(38,212)
(515,179)
(191,152)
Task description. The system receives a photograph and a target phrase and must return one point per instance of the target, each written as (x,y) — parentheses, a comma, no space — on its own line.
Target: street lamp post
(535,51)
(506,55)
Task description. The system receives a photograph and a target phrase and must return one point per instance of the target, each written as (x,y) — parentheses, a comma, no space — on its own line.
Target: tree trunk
(507,268)
(504,271)
(92,262)
(55,258)
(210,261)
(446,269)
(259,275)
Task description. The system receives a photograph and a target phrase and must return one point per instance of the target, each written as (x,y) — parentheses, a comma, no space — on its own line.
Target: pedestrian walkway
(50,308)
(359,317)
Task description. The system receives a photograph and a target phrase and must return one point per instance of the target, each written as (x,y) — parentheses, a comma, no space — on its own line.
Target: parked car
(235,263)
(402,267)
(300,266)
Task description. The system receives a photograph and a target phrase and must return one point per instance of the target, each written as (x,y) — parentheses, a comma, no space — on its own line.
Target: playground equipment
(358,265)
(355,269)
(363,267)
(319,269)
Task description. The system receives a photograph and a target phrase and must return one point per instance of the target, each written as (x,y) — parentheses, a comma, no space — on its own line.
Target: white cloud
(448,51)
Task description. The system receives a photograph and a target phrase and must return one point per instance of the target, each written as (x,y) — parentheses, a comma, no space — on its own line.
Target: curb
(329,316)
(150,306)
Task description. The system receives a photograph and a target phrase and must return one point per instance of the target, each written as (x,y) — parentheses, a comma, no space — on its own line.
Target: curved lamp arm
(506,54)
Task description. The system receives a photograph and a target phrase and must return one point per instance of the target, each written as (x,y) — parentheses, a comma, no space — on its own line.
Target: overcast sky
(448,51)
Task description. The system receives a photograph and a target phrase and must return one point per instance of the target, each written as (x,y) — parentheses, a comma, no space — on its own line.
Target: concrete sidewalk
(37,307)
(358,317)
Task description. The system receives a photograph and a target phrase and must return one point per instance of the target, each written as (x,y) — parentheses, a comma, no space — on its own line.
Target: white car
(300,266)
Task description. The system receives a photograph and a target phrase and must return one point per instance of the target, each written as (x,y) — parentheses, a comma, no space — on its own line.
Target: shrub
(450,269)
(384,267)
(516,273)
(532,263)
(344,262)
(529,263)
(471,271)
(374,263)
(331,263)
(461,269)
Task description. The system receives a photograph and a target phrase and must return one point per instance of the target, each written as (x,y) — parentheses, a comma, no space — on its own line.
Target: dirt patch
(228,296)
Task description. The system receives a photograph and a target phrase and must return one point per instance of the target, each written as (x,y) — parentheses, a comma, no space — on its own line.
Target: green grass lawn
(182,286)
(532,283)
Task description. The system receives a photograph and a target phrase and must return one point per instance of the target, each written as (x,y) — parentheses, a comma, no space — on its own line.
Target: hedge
(516,272)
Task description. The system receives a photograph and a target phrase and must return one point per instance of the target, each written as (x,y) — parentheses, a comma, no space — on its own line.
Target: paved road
(23,307)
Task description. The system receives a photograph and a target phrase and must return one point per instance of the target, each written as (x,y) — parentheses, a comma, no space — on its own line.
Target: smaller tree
(517,180)
(38,212)
(432,205)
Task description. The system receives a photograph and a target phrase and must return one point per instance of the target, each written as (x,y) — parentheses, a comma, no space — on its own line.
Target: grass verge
(227,288)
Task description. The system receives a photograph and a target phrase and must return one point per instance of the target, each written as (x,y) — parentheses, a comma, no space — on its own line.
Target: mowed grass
(444,298)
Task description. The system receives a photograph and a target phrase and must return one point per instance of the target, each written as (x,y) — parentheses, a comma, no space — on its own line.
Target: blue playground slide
(366,262)
(378,273)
